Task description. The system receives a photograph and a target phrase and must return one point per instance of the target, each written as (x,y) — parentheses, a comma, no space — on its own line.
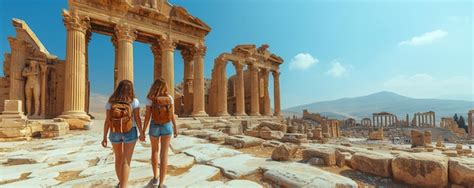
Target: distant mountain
(364,106)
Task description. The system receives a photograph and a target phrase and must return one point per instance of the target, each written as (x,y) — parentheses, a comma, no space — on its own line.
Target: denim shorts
(157,130)
(130,136)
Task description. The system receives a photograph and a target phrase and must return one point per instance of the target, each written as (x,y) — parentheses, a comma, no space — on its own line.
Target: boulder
(296,138)
(327,154)
(421,169)
(283,153)
(461,171)
(341,158)
(241,141)
(78,124)
(373,163)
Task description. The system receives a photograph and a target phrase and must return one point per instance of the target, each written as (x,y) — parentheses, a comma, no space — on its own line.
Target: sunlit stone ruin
(230,135)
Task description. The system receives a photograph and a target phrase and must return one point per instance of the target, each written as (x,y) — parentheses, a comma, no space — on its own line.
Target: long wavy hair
(158,88)
(123,93)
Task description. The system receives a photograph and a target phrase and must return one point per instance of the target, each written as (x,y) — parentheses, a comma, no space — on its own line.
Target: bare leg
(155,148)
(127,158)
(29,97)
(165,143)
(118,151)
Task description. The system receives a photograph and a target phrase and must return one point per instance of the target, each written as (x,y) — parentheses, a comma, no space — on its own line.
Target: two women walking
(123,120)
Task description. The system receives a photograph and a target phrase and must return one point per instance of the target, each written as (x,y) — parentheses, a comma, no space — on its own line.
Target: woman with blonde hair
(160,111)
(122,119)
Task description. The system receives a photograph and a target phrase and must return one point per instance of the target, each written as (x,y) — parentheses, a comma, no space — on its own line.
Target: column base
(223,114)
(75,115)
(277,114)
(199,114)
(254,114)
(240,114)
(267,114)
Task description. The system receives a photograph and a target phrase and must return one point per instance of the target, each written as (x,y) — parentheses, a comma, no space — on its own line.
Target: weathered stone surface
(417,138)
(450,153)
(252,133)
(420,169)
(271,143)
(374,163)
(327,154)
(316,161)
(240,165)
(207,152)
(240,141)
(283,153)
(302,175)
(218,136)
(243,183)
(12,132)
(183,142)
(77,124)
(194,175)
(461,171)
(341,158)
(273,126)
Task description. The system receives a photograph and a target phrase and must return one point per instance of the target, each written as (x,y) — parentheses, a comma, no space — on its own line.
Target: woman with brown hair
(122,118)
(160,109)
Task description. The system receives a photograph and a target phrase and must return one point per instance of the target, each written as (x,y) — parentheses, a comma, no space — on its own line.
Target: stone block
(461,171)
(253,133)
(296,138)
(77,124)
(10,132)
(327,154)
(271,135)
(283,153)
(420,169)
(240,141)
(12,106)
(14,123)
(373,163)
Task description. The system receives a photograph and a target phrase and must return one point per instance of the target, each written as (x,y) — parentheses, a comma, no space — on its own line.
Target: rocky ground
(78,159)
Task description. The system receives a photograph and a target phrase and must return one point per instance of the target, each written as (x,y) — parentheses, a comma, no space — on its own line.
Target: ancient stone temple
(35,76)
(366,122)
(384,119)
(329,128)
(248,92)
(32,75)
(424,119)
(451,125)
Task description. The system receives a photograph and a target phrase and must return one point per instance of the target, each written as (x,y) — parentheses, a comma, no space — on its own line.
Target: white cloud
(338,69)
(425,85)
(303,61)
(425,38)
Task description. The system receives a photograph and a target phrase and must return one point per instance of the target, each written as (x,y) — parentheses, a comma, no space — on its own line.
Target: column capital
(73,21)
(124,32)
(43,67)
(187,54)
(199,50)
(276,73)
(167,43)
(238,65)
(156,50)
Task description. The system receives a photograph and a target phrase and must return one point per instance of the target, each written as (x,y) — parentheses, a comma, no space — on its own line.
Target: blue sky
(332,49)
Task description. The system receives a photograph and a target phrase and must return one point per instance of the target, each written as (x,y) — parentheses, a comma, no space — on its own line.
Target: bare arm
(173,119)
(138,120)
(147,118)
(106,128)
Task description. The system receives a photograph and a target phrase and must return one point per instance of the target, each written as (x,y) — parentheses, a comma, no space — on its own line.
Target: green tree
(462,123)
(455,117)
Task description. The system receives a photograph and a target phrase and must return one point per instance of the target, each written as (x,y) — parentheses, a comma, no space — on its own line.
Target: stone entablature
(260,63)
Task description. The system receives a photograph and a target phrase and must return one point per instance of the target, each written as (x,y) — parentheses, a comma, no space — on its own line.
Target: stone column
(276,93)
(239,91)
(254,97)
(470,127)
(157,58)
(373,120)
(74,78)
(434,119)
(113,39)
(125,37)
(198,82)
(17,63)
(188,59)
(167,64)
(88,83)
(222,88)
(44,71)
(266,95)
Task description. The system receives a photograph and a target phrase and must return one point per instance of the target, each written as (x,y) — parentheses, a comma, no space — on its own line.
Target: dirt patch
(58,163)
(257,178)
(177,171)
(68,176)
(258,151)
(11,162)
(93,162)
(23,176)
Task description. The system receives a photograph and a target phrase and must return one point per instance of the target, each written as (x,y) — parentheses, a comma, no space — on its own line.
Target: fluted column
(167,64)
(198,82)
(188,59)
(17,63)
(434,120)
(44,71)
(254,97)
(239,89)
(276,93)
(222,88)
(157,58)
(373,120)
(113,39)
(75,73)
(125,37)
(266,95)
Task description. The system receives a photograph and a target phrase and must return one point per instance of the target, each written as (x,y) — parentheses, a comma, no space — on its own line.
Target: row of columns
(366,122)
(425,119)
(383,120)
(220,77)
(163,50)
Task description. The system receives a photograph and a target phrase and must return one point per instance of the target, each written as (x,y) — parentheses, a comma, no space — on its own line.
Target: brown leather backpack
(162,110)
(121,117)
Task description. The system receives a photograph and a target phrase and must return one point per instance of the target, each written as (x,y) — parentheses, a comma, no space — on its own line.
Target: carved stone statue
(32,88)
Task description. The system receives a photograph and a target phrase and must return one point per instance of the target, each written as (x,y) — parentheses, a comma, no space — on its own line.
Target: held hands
(175,133)
(142,137)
